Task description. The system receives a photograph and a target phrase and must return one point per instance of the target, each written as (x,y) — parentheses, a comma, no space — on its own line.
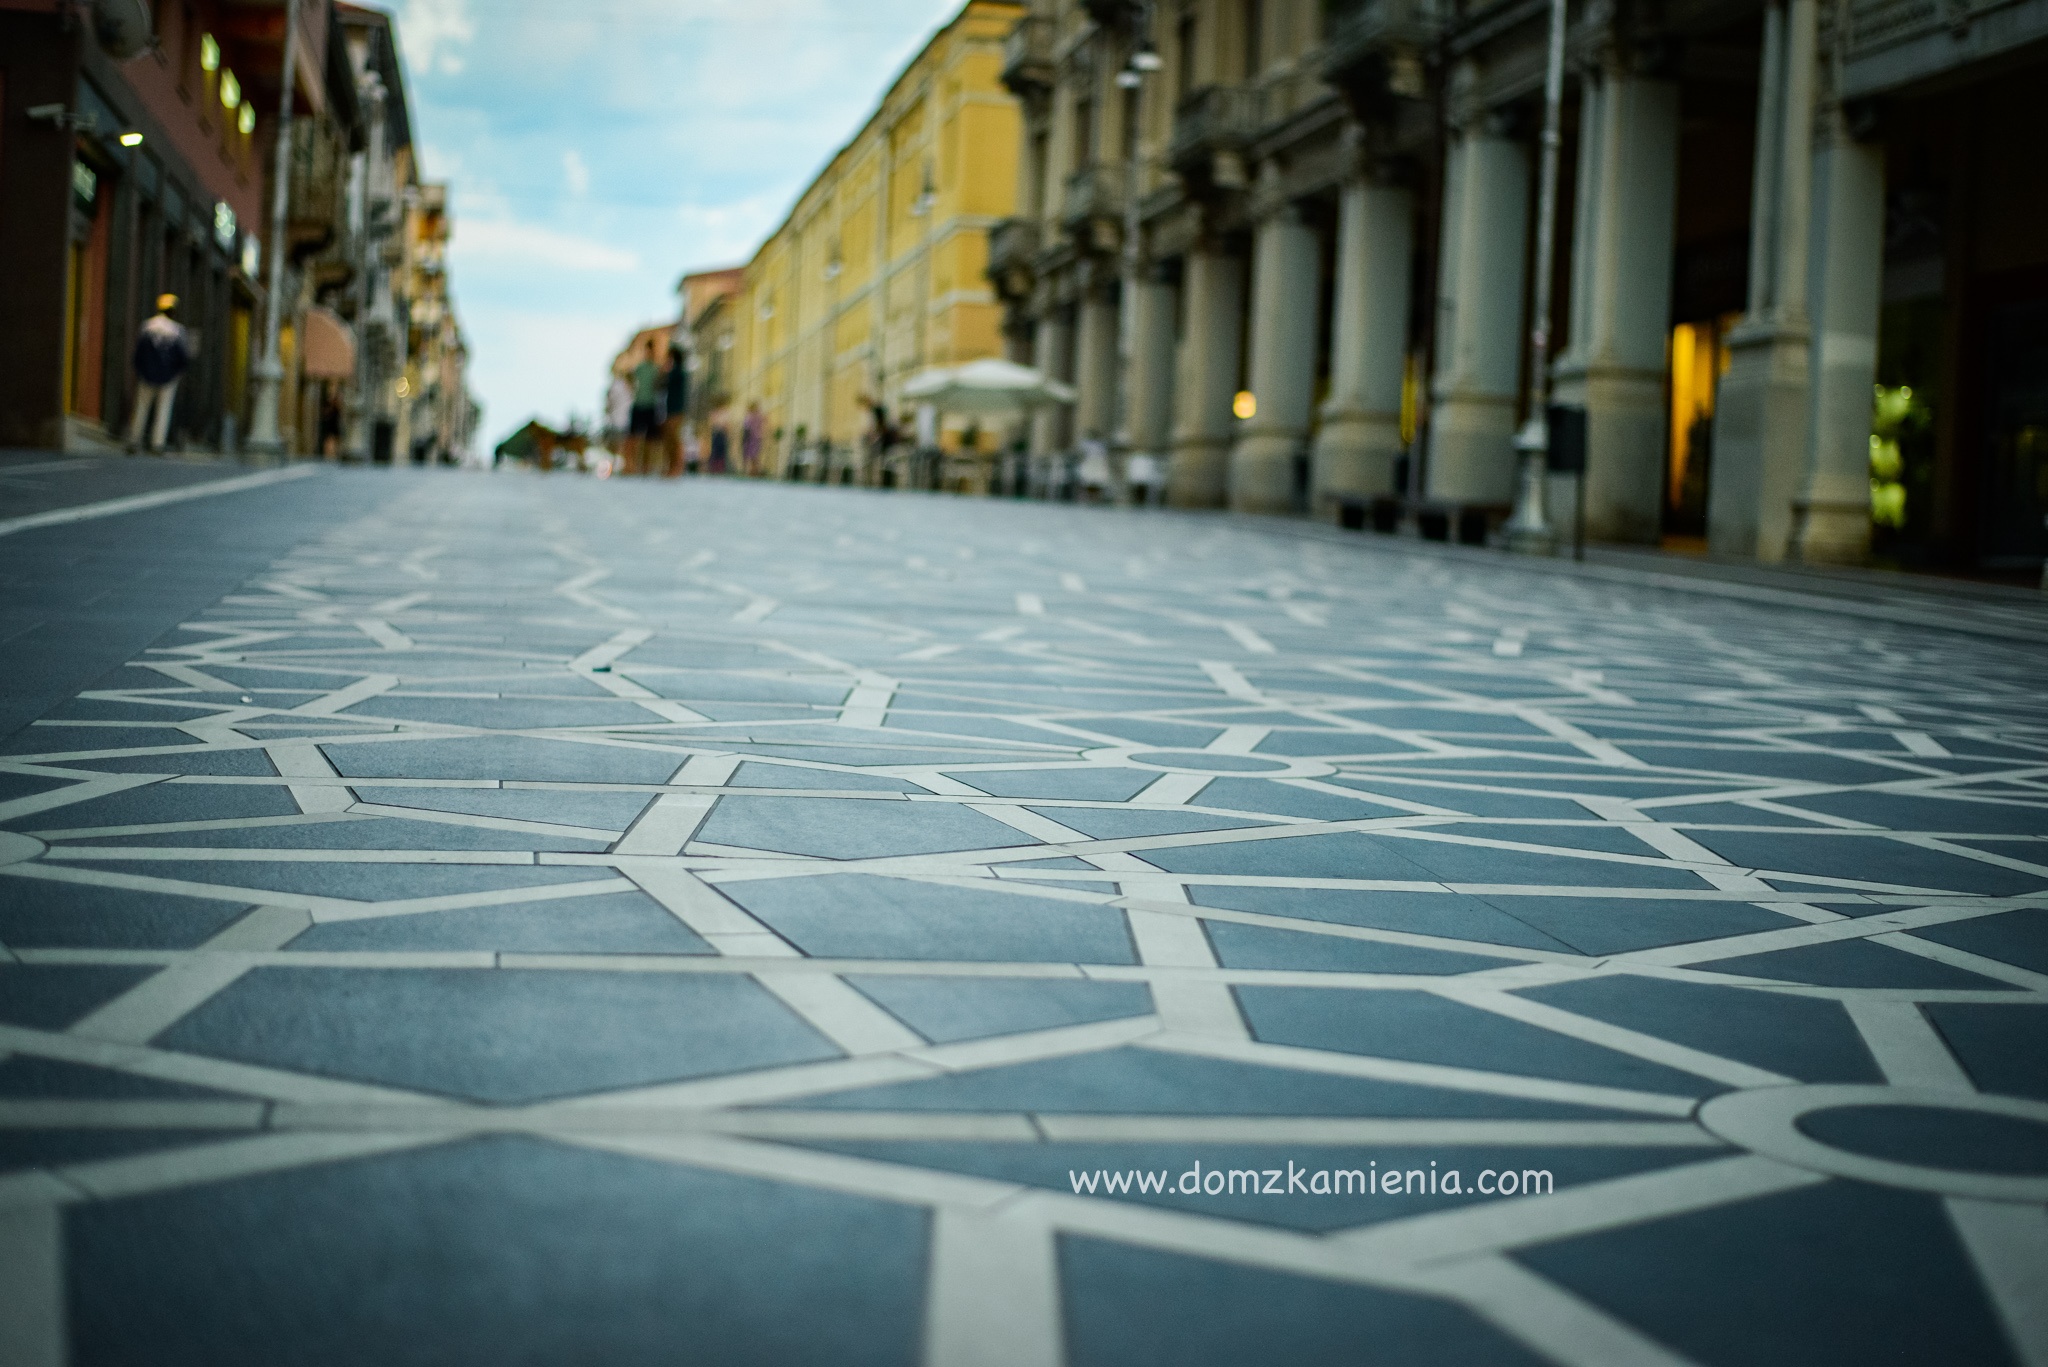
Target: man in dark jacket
(163,352)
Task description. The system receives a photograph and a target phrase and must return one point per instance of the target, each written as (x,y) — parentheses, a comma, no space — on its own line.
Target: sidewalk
(1924,600)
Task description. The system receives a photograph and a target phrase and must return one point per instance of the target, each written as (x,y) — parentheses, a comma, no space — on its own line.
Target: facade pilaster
(1053,348)
(1360,437)
(1831,516)
(1148,412)
(1285,278)
(1211,342)
(1622,247)
(1761,414)
(1095,363)
(1479,317)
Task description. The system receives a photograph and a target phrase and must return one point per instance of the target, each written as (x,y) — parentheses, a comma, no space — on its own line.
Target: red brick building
(136,140)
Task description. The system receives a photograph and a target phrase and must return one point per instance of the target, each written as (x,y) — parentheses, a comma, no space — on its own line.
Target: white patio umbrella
(987,388)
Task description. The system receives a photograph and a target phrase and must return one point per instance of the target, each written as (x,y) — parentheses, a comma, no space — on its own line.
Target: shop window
(1698,355)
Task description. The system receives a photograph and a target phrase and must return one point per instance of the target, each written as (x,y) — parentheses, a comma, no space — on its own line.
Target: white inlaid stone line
(993,1298)
(1907,1048)
(667,825)
(305,759)
(1251,640)
(840,1013)
(2008,1244)
(719,921)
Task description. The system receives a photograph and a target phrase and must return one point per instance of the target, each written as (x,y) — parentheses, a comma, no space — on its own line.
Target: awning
(330,349)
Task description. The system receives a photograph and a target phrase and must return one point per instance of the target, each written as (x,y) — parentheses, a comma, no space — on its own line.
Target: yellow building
(879,270)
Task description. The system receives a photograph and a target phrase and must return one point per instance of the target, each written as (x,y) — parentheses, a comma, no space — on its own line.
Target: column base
(1760,427)
(1353,459)
(1472,449)
(1627,423)
(1831,533)
(1262,471)
(1198,475)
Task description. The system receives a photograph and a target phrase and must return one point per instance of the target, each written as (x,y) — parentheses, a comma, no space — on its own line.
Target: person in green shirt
(645,424)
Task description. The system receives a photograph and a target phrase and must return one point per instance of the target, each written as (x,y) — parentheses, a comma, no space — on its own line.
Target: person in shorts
(643,429)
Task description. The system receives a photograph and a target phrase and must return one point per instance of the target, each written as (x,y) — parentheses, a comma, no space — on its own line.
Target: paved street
(486,920)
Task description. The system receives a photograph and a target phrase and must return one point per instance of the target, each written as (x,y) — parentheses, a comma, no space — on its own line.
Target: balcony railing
(1377,41)
(1027,57)
(1094,193)
(1111,13)
(1012,243)
(1892,42)
(319,185)
(1213,119)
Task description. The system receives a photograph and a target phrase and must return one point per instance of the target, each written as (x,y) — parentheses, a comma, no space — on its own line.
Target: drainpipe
(264,437)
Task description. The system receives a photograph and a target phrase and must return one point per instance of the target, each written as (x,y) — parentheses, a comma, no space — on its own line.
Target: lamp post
(263,433)
(1144,60)
(1529,531)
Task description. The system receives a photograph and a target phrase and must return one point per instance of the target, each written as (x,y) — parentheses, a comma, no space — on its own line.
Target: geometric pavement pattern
(556,922)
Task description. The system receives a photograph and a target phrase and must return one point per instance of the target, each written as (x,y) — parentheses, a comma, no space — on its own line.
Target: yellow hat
(166,302)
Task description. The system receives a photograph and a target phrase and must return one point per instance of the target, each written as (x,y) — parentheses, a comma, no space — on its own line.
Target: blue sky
(598,149)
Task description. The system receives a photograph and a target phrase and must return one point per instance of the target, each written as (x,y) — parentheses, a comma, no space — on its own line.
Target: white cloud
(576,172)
(727,234)
(433,32)
(504,241)
(539,364)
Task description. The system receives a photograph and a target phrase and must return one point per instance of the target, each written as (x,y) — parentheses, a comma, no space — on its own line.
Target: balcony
(1012,246)
(318,201)
(1027,57)
(1095,194)
(1211,123)
(1375,47)
(1894,42)
(1111,13)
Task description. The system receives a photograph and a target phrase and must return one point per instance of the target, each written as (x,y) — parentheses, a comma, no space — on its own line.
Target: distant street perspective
(528,920)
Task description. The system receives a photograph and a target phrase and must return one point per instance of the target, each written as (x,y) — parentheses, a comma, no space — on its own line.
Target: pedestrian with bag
(163,353)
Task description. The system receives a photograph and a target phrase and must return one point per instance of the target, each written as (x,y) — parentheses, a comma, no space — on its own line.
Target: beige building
(1289,245)
(879,270)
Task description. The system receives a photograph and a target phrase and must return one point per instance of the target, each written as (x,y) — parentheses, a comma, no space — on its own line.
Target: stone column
(1054,348)
(1095,364)
(1211,339)
(1761,417)
(1148,412)
(1622,246)
(1831,518)
(1361,432)
(1479,319)
(1283,362)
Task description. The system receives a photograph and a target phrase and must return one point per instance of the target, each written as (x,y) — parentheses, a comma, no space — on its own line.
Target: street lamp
(263,434)
(1529,531)
(1144,60)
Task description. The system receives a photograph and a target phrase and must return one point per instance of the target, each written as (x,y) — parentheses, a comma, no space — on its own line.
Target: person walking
(618,415)
(163,353)
(1094,475)
(675,409)
(1141,473)
(644,426)
(721,445)
(752,429)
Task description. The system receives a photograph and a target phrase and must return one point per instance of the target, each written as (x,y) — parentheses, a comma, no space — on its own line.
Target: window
(1084,132)
(1254,37)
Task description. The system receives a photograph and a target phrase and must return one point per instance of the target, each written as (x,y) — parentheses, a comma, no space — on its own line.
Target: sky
(599,149)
